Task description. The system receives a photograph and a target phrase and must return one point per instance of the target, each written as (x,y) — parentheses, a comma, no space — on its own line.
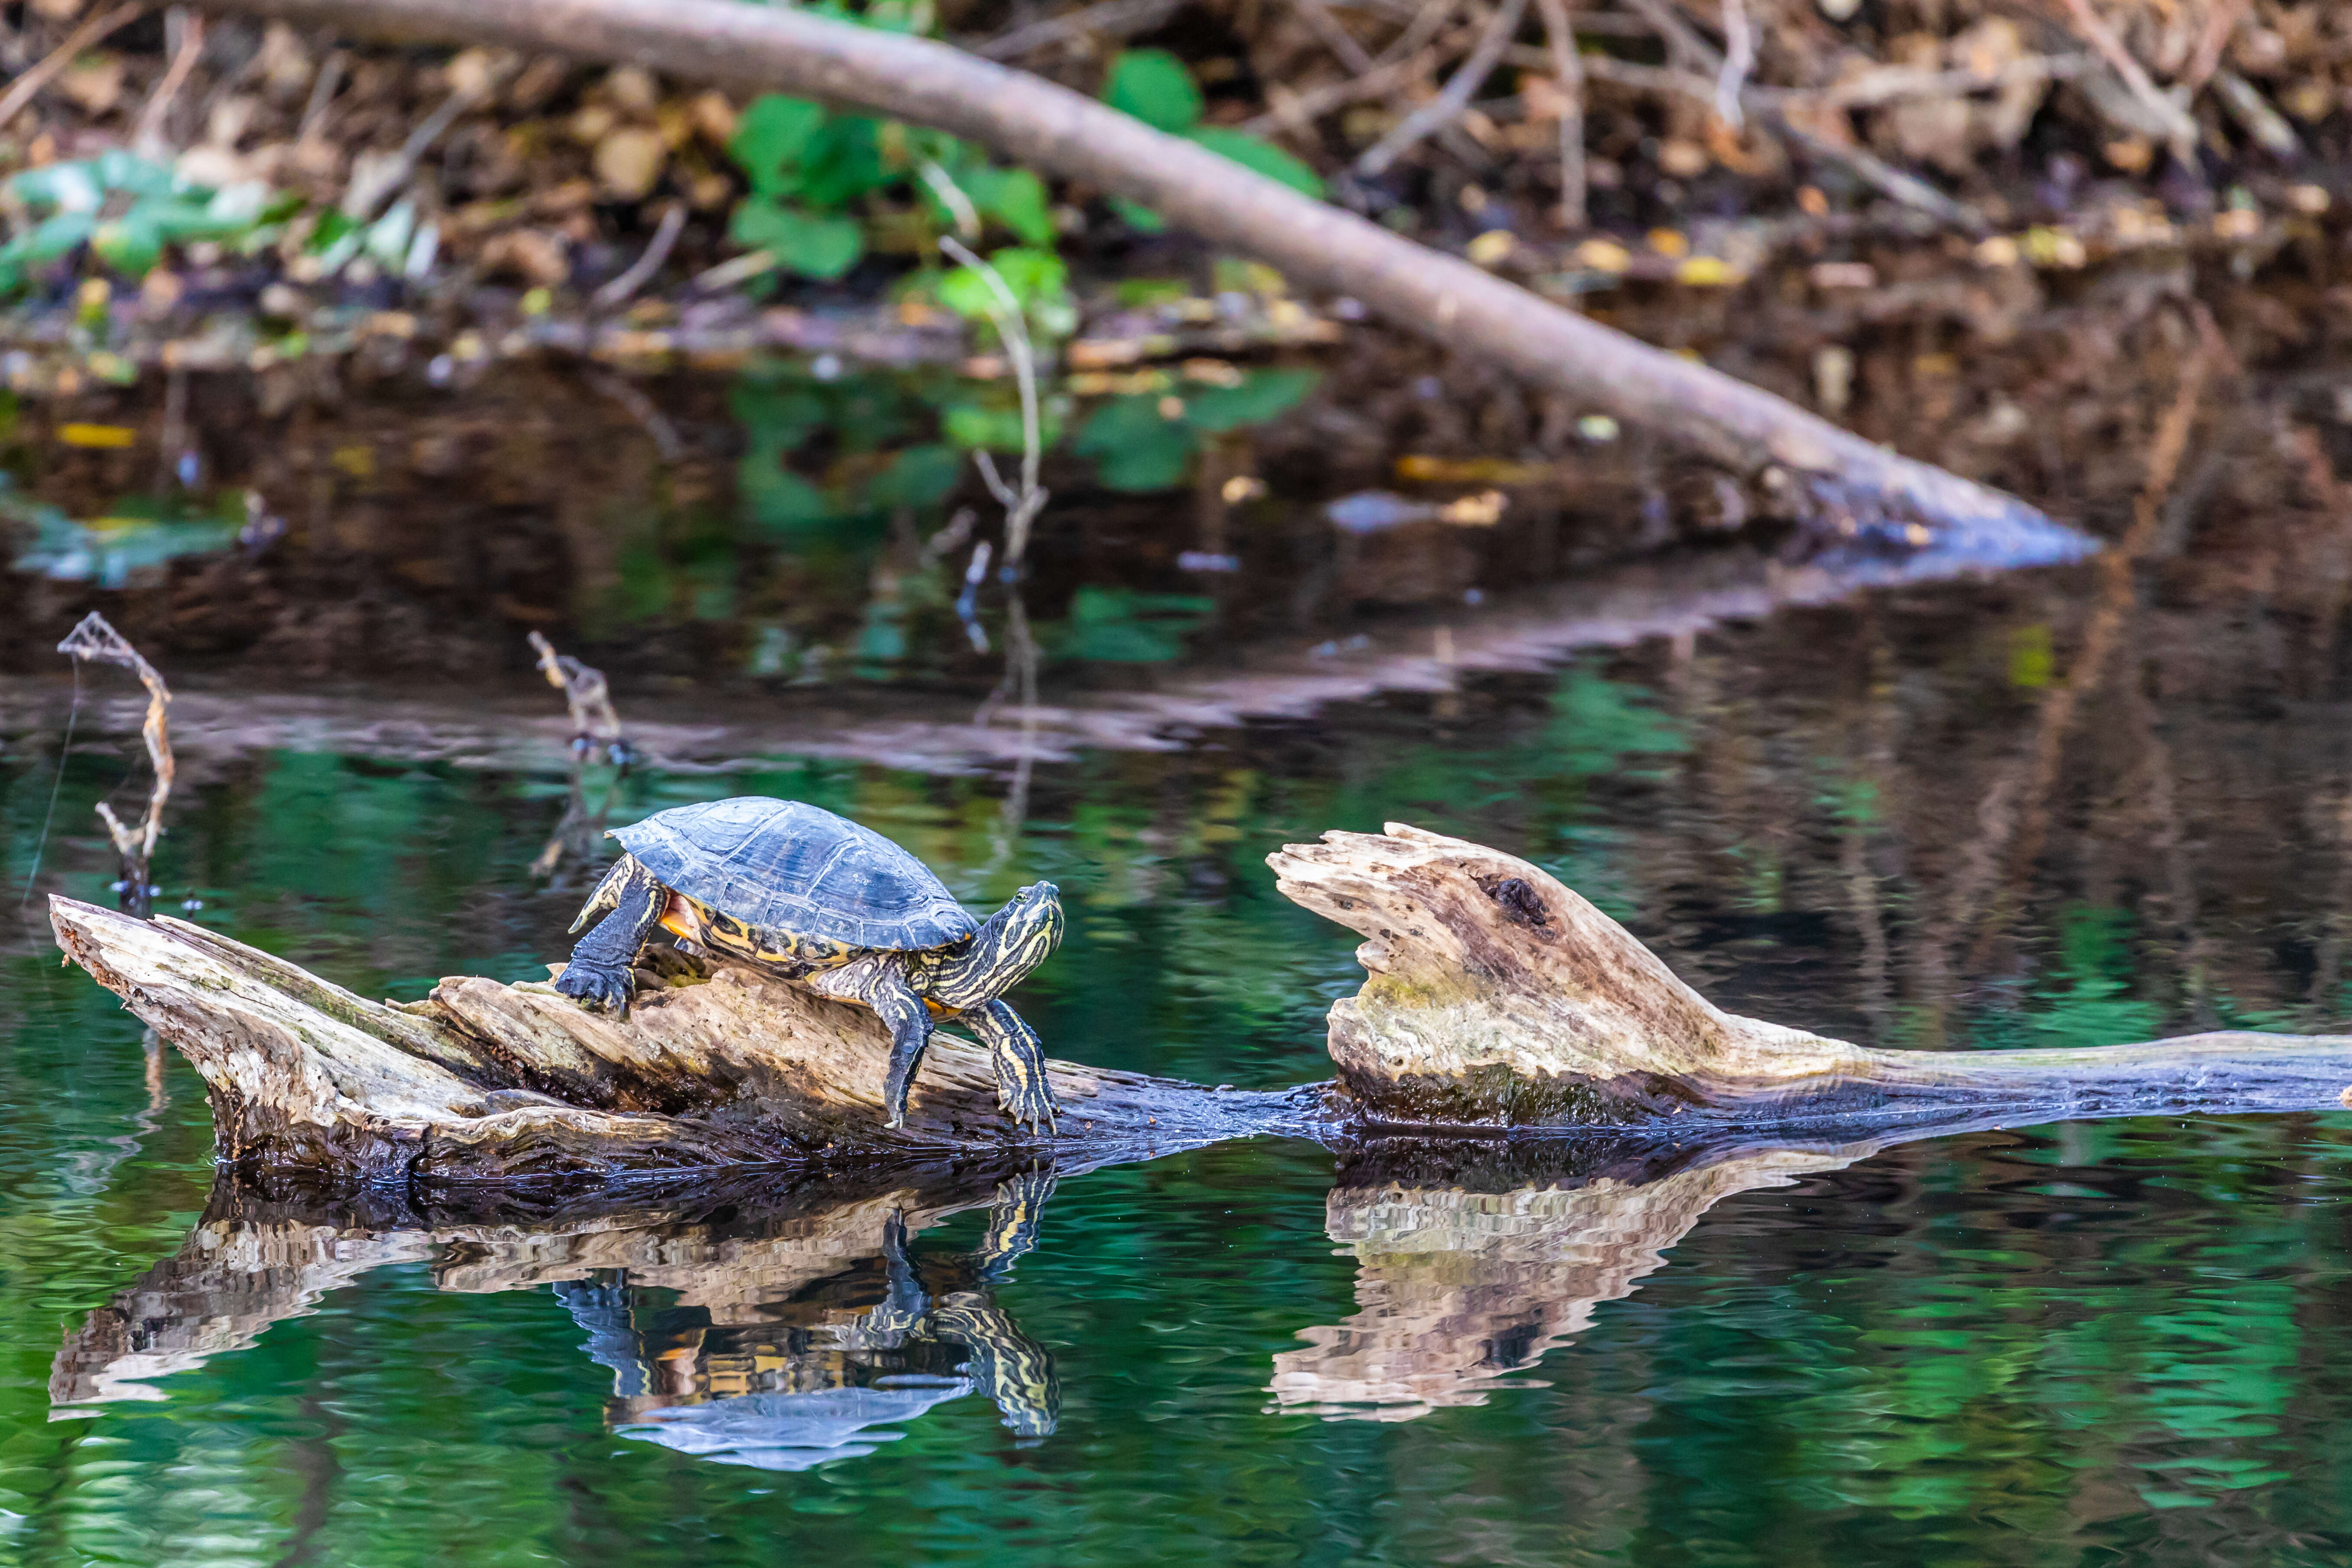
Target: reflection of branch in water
(777,1334)
(1458,1288)
(2013,815)
(94,639)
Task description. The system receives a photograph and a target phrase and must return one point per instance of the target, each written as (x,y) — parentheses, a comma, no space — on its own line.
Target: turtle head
(1016,940)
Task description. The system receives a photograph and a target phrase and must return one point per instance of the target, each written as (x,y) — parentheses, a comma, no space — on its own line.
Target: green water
(2119,1342)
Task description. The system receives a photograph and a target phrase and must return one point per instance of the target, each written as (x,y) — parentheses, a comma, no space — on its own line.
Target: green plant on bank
(1153,86)
(126,209)
(131,212)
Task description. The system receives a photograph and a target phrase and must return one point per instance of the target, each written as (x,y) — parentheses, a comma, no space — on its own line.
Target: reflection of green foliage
(2085,999)
(137,532)
(1114,626)
(1153,86)
(1145,441)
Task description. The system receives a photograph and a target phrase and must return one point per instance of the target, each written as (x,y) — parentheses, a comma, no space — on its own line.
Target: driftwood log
(1497,1001)
(716,1067)
(1498,998)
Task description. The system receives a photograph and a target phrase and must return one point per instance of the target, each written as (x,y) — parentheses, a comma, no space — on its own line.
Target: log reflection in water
(775,1327)
(1472,1265)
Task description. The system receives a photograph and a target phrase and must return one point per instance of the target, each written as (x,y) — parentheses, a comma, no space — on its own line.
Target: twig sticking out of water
(595,721)
(1023,505)
(596,726)
(94,639)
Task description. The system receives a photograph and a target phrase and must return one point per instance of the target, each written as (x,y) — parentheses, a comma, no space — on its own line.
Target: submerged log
(1497,998)
(717,1067)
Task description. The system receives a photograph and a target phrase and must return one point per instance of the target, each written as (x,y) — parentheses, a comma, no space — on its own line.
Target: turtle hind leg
(600,970)
(1020,1063)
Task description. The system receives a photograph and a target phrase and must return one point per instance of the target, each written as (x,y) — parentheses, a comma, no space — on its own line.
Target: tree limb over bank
(1834,474)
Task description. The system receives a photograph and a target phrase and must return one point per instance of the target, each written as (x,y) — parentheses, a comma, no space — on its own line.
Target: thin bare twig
(1447,106)
(322,96)
(2220,23)
(148,140)
(20,91)
(1568,71)
(594,720)
(370,186)
(1336,38)
(1021,506)
(96,640)
(641,271)
(2181,130)
(1111,19)
(1300,109)
(1738,59)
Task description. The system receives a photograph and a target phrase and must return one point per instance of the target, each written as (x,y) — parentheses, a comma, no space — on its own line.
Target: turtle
(817,900)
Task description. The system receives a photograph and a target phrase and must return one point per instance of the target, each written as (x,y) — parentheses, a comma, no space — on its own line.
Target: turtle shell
(785,866)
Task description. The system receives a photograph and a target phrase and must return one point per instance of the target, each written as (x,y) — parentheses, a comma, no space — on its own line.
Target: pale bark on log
(1498,998)
(714,1068)
(1498,1001)
(1839,475)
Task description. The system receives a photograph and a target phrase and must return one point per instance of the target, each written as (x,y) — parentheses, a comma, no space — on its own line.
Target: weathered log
(1497,1001)
(718,1067)
(1498,998)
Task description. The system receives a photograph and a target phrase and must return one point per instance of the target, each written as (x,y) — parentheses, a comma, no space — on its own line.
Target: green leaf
(1134,446)
(780,502)
(51,237)
(771,136)
(918,477)
(1013,197)
(1262,395)
(1138,217)
(812,246)
(1259,156)
(67,187)
(976,427)
(843,161)
(1153,86)
(130,244)
(1033,278)
(1117,626)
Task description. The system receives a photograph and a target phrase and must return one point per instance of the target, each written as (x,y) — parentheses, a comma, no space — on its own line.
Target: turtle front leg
(1020,1063)
(910,1022)
(600,970)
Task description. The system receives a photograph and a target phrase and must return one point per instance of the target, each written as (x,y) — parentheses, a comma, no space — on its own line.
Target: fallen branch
(23,90)
(96,640)
(1061,132)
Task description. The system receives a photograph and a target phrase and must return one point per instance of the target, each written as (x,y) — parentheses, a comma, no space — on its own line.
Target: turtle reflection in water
(819,1390)
(815,898)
